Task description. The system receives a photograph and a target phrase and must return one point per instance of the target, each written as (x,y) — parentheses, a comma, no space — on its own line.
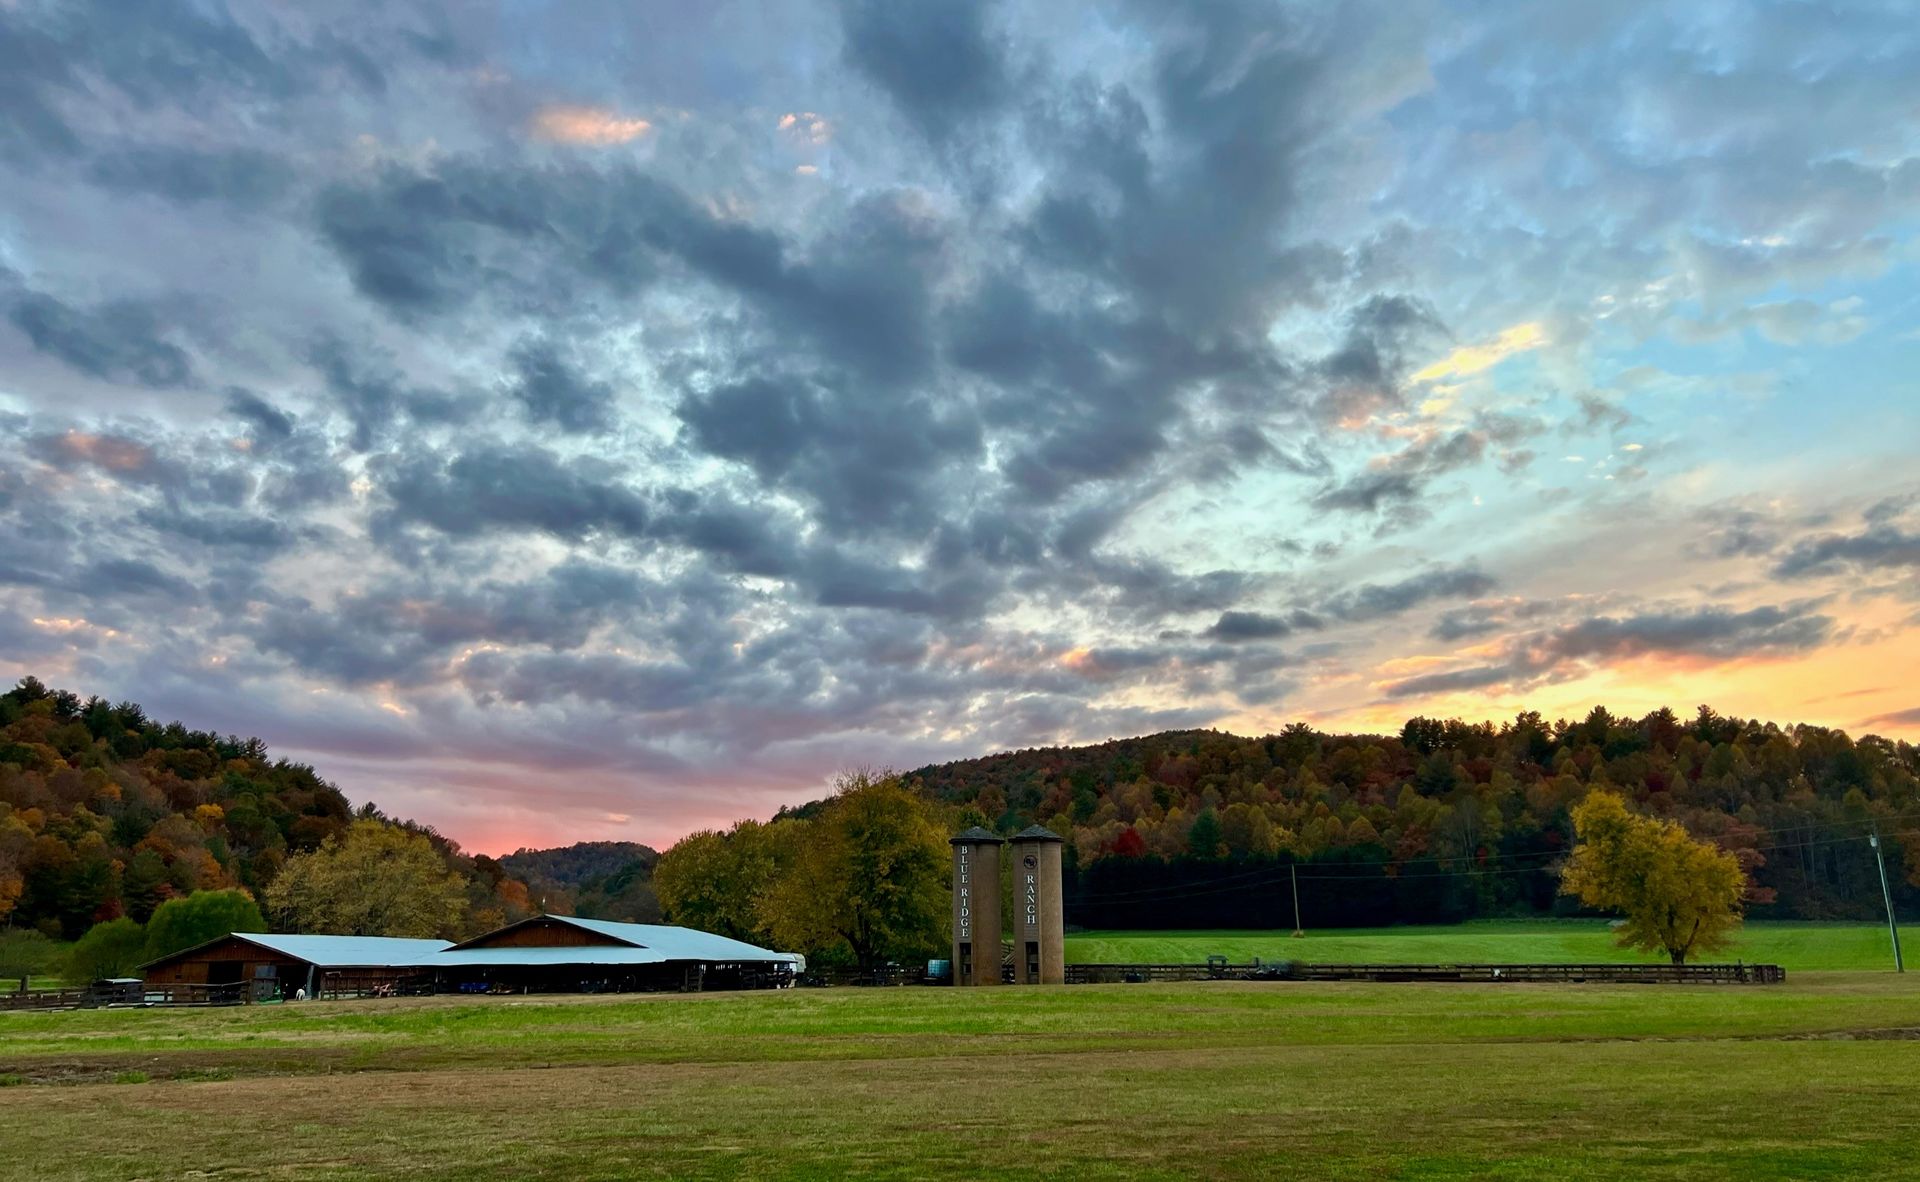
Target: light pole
(1294,874)
(1886,896)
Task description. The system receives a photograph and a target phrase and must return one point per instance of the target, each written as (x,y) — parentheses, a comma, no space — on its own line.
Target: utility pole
(1886,896)
(1293,874)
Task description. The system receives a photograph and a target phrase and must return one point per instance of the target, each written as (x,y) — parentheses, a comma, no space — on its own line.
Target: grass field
(1797,946)
(1814,1078)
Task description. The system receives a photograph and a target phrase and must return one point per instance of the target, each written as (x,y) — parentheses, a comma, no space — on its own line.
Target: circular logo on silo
(1030,861)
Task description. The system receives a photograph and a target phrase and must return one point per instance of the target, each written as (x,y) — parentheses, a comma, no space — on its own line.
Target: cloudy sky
(597,420)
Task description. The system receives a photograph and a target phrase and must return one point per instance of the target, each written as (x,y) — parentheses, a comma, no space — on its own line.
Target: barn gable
(547,931)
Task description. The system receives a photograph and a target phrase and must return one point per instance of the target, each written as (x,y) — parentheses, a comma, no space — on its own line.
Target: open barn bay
(1813,1078)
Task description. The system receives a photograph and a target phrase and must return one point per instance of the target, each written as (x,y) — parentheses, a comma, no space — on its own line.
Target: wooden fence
(149,995)
(1611,974)
(370,983)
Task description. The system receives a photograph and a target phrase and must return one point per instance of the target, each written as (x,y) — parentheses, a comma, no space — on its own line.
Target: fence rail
(1618,974)
(148,995)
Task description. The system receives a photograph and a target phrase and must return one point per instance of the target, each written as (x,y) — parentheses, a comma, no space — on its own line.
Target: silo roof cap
(1037,833)
(975,836)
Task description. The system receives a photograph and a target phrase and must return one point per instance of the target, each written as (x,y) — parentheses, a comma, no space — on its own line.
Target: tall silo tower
(1039,912)
(976,907)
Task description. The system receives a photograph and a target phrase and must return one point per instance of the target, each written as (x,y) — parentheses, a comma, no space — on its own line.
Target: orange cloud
(596,127)
(109,452)
(807,125)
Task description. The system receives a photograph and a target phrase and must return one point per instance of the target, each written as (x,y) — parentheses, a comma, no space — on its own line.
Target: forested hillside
(106,813)
(1445,820)
(602,879)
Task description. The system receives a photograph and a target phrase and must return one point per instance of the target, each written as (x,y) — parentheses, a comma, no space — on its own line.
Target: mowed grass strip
(924,1023)
(1809,1079)
(1797,946)
(1708,1109)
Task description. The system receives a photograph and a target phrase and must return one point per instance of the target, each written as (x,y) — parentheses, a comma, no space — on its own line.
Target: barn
(262,965)
(567,954)
(543,954)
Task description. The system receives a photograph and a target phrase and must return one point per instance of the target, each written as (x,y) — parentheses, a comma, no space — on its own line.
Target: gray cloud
(490,488)
(1366,373)
(1878,547)
(1239,625)
(377,398)
(271,425)
(1710,633)
(553,391)
(123,340)
(1405,475)
(242,177)
(1896,718)
(408,630)
(1374,600)
(1742,533)
(938,62)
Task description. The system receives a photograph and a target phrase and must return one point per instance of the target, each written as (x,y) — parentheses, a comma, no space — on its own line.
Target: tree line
(1448,820)
(108,816)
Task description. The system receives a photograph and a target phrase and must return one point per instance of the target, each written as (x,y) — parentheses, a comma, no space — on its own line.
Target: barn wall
(543,934)
(195,967)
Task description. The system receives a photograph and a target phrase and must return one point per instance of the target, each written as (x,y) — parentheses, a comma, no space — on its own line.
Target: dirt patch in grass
(180,1065)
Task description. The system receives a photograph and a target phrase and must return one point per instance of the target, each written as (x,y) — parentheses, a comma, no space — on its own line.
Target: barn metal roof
(641,943)
(674,943)
(590,955)
(331,951)
(350,951)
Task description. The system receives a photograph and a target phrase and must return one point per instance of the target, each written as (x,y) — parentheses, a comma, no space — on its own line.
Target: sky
(601,420)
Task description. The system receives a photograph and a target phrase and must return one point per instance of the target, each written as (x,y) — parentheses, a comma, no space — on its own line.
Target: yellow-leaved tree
(718,882)
(1679,895)
(869,871)
(376,880)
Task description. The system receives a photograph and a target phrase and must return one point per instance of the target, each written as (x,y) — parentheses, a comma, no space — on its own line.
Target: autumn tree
(199,917)
(375,880)
(1679,895)
(869,872)
(111,949)
(719,882)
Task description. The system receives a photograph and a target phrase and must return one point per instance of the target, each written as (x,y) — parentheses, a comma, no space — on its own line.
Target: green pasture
(1795,945)
(1811,1079)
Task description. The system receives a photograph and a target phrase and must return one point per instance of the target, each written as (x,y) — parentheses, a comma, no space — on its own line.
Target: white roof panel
(349,951)
(676,943)
(535,957)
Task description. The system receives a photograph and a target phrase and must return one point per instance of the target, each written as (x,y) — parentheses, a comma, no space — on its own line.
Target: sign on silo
(976,907)
(1039,912)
